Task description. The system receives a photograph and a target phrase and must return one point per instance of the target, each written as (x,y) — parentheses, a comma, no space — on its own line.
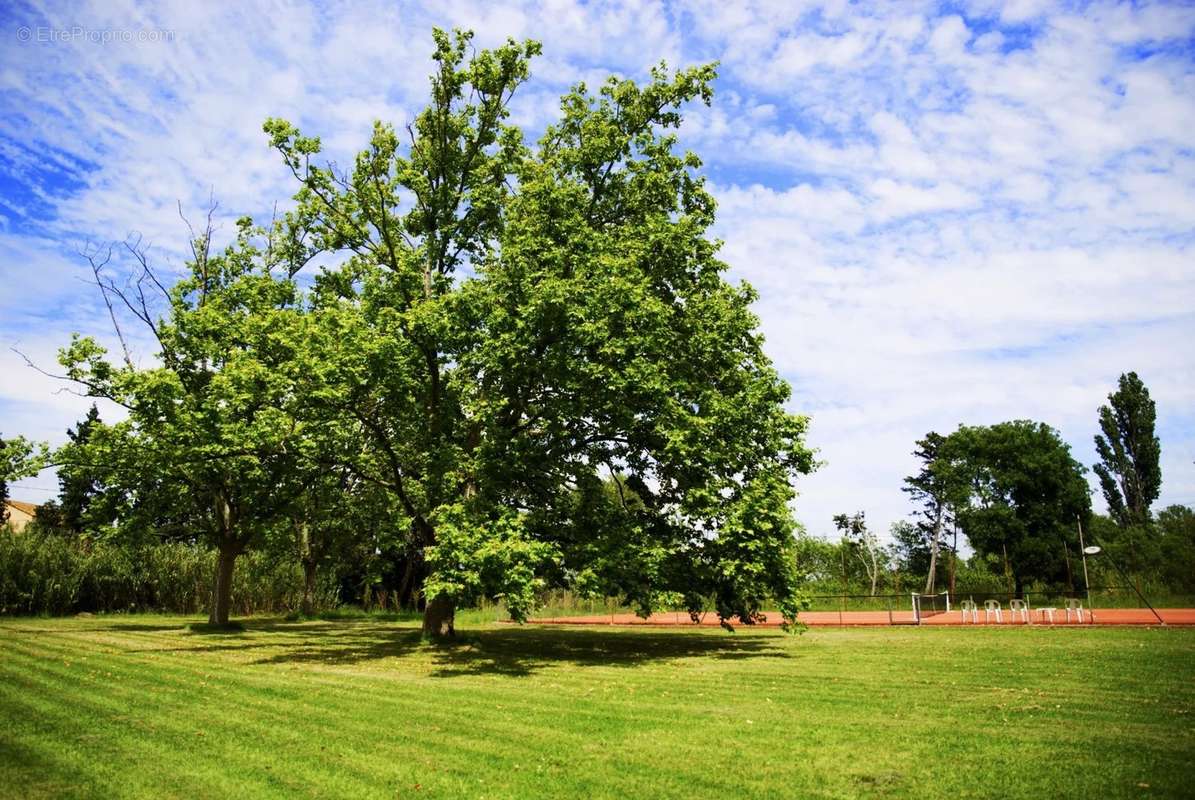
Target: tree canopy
(511,322)
(498,331)
(1024,493)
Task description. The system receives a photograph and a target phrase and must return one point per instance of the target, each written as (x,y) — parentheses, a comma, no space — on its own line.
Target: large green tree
(509,323)
(1024,494)
(1129,470)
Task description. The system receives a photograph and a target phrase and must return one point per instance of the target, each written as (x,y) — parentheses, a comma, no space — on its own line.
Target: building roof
(28,508)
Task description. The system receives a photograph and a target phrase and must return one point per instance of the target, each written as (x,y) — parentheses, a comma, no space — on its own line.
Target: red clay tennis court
(1036,616)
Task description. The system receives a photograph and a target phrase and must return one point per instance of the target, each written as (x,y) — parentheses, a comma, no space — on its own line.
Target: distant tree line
(1015,495)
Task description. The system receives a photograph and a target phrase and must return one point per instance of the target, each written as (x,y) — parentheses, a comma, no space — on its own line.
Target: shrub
(49,574)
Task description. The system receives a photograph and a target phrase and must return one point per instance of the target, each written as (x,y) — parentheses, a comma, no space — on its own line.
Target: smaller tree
(1024,494)
(81,491)
(936,489)
(911,547)
(217,421)
(1129,470)
(867,548)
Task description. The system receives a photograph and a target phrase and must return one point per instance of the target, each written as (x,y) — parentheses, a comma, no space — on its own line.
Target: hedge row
(46,574)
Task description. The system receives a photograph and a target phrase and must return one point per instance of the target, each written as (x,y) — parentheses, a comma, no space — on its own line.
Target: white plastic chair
(992,607)
(1019,607)
(972,607)
(1076,605)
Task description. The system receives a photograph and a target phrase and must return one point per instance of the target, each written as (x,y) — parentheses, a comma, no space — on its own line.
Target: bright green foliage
(1025,495)
(1129,470)
(510,324)
(122,707)
(862,544)
(214,424)
(497,557)
(19,458)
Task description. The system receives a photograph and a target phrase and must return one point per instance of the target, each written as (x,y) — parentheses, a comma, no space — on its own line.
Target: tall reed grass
(50,575)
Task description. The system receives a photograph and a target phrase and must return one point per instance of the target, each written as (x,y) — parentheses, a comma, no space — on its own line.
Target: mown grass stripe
(530,712)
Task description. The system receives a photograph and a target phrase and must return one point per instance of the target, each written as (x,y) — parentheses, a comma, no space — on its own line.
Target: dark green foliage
(1025,495)
(1129,470)
(1175,527)
(937,490)
(911,547)
(80,486)
(1159,553)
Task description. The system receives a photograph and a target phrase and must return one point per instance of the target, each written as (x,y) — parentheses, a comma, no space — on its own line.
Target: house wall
(19,515)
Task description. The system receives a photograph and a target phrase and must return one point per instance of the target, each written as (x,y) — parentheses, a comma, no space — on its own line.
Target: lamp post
(1083,550)
(1095,550)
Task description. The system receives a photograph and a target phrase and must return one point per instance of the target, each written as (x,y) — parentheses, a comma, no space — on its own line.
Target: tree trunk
(222,591)
(936,535)
(308,603)
(308,560)
(1008,576)
(407,585)
(953,558)
(438,618)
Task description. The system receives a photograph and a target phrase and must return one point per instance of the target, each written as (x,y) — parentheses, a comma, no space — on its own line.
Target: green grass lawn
(141,706)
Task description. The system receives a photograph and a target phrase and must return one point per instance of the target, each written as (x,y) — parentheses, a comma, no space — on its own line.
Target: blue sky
(954,212)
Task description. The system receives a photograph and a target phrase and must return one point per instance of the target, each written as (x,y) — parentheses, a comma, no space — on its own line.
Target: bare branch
(93,389)
(97,267)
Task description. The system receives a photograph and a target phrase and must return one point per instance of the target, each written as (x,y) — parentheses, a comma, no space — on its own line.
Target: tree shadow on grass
(351,646)
(298,642)
(144,627)
(511,651)
(523,651)
(42,775)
